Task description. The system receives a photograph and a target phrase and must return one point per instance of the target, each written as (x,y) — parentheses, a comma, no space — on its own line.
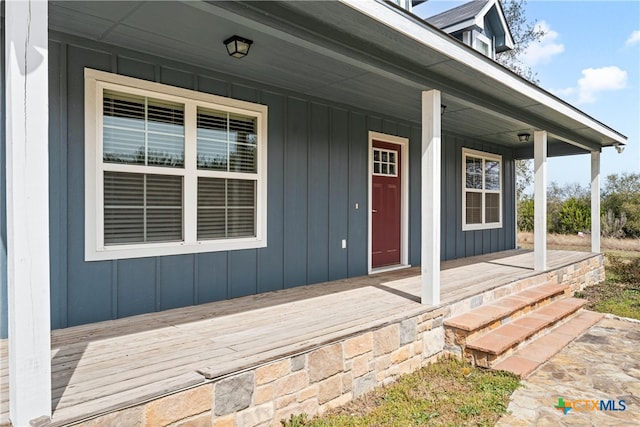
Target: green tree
(574,216)
(525,213)
(621,196)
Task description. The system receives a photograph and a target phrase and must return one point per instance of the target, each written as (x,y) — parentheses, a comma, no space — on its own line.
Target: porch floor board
(101,366)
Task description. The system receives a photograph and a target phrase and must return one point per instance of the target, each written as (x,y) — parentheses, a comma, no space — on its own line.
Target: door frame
(403,146)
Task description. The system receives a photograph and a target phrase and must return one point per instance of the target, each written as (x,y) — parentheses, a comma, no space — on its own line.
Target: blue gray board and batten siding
(317,172)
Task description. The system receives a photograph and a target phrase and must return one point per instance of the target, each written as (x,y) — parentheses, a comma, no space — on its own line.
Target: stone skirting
(331,375)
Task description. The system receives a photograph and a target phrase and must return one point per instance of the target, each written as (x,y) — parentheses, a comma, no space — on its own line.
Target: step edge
(561,289)
(549,325)
(539,364)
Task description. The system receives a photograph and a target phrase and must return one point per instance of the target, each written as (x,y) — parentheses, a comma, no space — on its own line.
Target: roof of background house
(457,14)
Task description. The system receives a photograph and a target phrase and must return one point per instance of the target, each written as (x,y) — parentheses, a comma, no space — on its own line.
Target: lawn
(447,393)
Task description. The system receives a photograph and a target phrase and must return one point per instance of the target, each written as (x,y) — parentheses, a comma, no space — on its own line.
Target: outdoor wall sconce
(523,137)
(442,108)
(237,46)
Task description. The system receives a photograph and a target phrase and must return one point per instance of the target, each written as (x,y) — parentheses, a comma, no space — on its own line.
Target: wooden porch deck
(102,366)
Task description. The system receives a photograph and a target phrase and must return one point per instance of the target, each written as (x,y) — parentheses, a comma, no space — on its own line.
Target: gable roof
(472,15)
(458,14)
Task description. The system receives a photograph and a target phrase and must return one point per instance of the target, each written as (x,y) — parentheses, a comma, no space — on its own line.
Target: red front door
(386,193)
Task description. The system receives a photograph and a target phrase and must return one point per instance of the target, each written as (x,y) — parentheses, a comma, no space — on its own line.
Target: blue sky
(590,57)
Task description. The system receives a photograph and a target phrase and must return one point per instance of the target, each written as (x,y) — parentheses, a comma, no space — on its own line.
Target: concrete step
(528,358)
(477,322)
(490,348)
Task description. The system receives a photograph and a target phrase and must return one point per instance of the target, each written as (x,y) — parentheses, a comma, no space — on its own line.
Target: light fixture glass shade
(523,137)
(237,46)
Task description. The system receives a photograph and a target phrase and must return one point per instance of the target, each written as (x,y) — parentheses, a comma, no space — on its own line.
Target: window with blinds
(482,190)
(174,171)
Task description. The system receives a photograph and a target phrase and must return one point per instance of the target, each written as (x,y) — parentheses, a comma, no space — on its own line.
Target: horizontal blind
(226,142)
(226,208)
(141,208)
(492,207)
(142,131)
(473,207)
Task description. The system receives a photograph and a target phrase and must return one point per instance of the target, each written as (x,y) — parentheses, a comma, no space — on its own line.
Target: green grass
(619,294)
(447,393)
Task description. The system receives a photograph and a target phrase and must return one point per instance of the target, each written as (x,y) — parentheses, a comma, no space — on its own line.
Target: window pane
(242,158)
(473,208)
(211,223)
(226,208)
(164,224)
(492,207)
(165,150)
(212,140)
(242,129)
(211,208)
(139,130)
(473,175)
(226,142)
(241,222)
(141,208)
(123,225)
(492,175)
(241,193)
(123,189)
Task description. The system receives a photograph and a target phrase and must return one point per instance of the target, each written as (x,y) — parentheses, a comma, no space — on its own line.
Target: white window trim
(95,250)
(403,148)
(482,38)
(484,156)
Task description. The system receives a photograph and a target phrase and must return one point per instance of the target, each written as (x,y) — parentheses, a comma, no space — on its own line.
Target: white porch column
(27,138)
(595,201)
(540,199)
(430,209)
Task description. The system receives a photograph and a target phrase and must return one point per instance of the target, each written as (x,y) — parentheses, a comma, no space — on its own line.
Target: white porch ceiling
(330,51)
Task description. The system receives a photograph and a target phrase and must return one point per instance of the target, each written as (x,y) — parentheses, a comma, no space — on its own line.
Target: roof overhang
(366,55)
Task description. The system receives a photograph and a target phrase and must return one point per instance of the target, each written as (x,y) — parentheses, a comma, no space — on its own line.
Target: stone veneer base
(331,375)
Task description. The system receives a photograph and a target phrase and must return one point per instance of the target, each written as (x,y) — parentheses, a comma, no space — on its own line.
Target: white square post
(540,200)
(595,201)
(430,208)
(27,139)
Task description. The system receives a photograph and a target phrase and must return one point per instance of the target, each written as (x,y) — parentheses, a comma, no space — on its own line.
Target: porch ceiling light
(237,46)
(524,137)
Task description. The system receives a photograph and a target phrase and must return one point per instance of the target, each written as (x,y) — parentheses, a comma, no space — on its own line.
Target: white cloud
(544,49)
(633,38)
(596,80)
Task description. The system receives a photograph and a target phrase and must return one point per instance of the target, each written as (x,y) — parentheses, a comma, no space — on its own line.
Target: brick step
(477,322)
(528,358)
(493,346)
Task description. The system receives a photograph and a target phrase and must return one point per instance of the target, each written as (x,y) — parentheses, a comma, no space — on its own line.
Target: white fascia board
(508,38)
(433,39)
(453,28)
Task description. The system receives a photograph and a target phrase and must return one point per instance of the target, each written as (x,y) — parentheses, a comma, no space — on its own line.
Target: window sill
(476,227)
(170,248)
